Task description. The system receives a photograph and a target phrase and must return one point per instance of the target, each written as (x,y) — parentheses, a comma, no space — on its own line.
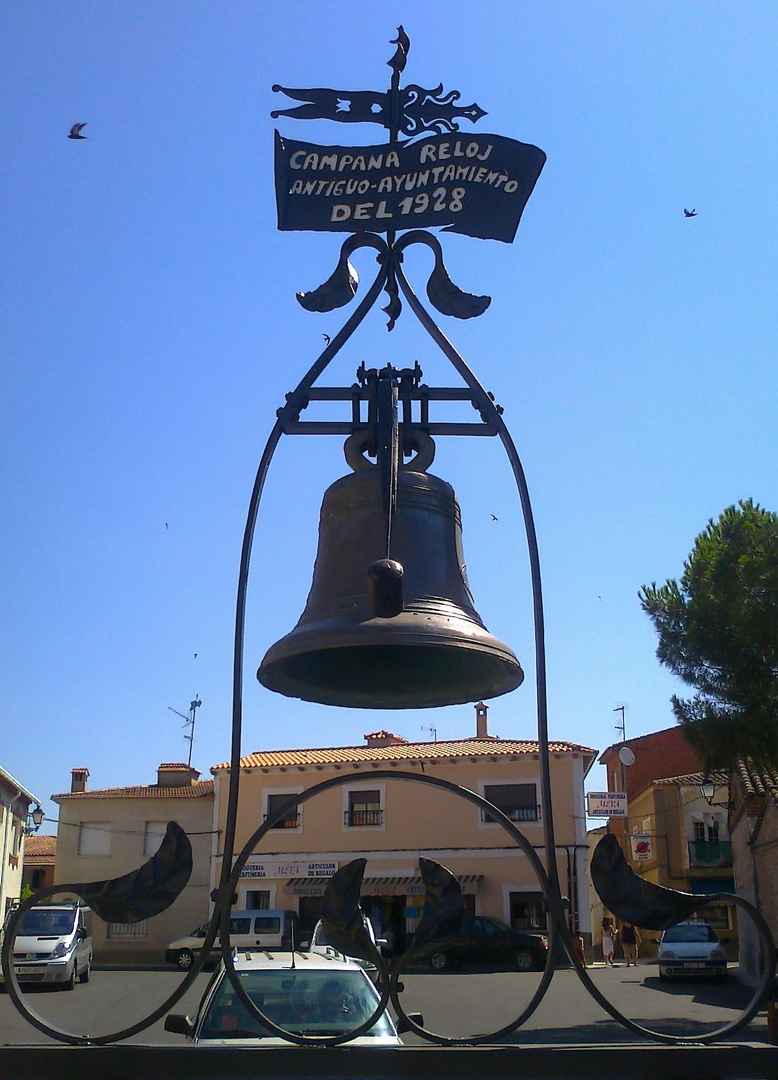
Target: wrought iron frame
(449,299)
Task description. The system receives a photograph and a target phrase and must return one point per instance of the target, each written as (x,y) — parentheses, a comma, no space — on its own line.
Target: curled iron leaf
(337,291)
(444,905)
(145,892)
(394,308)
(632,898)
(342,916)
(449,299)
(400,58)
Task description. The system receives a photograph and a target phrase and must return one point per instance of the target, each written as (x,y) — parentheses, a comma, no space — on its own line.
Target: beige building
(753,800)
(40,853)
(15,801)
(106,833)
(390,822)
(677,839)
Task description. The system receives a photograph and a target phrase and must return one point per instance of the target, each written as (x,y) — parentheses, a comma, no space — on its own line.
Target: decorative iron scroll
(154,886)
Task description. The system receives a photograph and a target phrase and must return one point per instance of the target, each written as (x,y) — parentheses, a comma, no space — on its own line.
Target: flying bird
(326,338)
(75,132)
(492,516)
(689,213)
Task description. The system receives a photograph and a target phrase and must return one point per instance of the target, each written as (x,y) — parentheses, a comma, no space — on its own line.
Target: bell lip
(502,675)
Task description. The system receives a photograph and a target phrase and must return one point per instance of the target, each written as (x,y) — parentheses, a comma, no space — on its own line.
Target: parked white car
(269,928)
(691,948)
(319,944)
(304,993)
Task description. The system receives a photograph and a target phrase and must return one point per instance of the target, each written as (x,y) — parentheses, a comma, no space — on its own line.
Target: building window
(258,899)
(290,820)
(364,809)
(153,835)
(94,838)
(527,911)
(519,802)
(123,931)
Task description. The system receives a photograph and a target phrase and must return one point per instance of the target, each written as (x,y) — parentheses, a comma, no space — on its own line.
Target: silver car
(53,945)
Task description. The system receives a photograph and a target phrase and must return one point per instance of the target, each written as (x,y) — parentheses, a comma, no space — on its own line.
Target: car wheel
(525,960)
(71,983)
(85,975)
(185,959)
(664,977)
(438,961)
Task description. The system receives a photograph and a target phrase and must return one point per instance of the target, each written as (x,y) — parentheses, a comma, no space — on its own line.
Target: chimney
(384,738)
(78,779)
(480,720)
(176,774)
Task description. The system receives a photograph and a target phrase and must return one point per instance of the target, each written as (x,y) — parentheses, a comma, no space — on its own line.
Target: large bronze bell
(436,651)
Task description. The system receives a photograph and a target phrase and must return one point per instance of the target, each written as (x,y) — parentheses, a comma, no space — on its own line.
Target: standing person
(578,945)
(629,936)
(606,939)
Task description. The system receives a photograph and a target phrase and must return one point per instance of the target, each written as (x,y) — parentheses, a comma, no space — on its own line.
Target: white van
(273,928)
(54,945)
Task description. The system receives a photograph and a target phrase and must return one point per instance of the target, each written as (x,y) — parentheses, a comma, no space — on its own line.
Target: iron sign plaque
(477,185)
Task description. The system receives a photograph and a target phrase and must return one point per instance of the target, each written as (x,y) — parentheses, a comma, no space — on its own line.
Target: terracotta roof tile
(39,846)
(425,751)
(756,783)
(718,776)
(143,791)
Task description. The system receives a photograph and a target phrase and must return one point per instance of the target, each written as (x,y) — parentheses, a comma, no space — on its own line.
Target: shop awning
(399,885)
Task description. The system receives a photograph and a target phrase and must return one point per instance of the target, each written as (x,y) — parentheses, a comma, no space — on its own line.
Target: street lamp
(708,790)
(36,817)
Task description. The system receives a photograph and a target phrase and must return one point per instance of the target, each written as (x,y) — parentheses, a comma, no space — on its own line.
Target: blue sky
(150,331)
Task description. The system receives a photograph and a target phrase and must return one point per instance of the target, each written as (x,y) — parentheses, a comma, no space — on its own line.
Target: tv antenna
(189,721)
(432,730)
(622,727)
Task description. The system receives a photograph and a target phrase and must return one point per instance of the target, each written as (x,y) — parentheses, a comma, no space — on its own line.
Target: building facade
(390,822)
(671,836)
(15,802)
(753,801)
(106,833)
(679,840)
(40,853)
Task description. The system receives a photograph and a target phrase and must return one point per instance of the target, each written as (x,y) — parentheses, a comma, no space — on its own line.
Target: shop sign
(642,847)
(277,868)
(606,804)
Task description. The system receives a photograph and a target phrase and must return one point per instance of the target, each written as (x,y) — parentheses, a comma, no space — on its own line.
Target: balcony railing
(357,818)
(710,853)
(290,822)
(515,813)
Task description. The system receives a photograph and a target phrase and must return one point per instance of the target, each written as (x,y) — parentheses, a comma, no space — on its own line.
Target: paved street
(453,1004)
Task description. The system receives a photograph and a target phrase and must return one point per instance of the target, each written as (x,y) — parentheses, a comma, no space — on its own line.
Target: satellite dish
(626,757)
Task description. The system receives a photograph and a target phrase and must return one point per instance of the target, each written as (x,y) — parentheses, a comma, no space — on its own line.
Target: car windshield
(320,938)
(306,1002)
(700,932)
(42,923)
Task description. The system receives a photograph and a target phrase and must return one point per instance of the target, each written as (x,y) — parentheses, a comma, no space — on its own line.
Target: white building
(15,802)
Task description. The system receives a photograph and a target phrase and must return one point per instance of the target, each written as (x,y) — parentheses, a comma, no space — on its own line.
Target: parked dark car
(485,942)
